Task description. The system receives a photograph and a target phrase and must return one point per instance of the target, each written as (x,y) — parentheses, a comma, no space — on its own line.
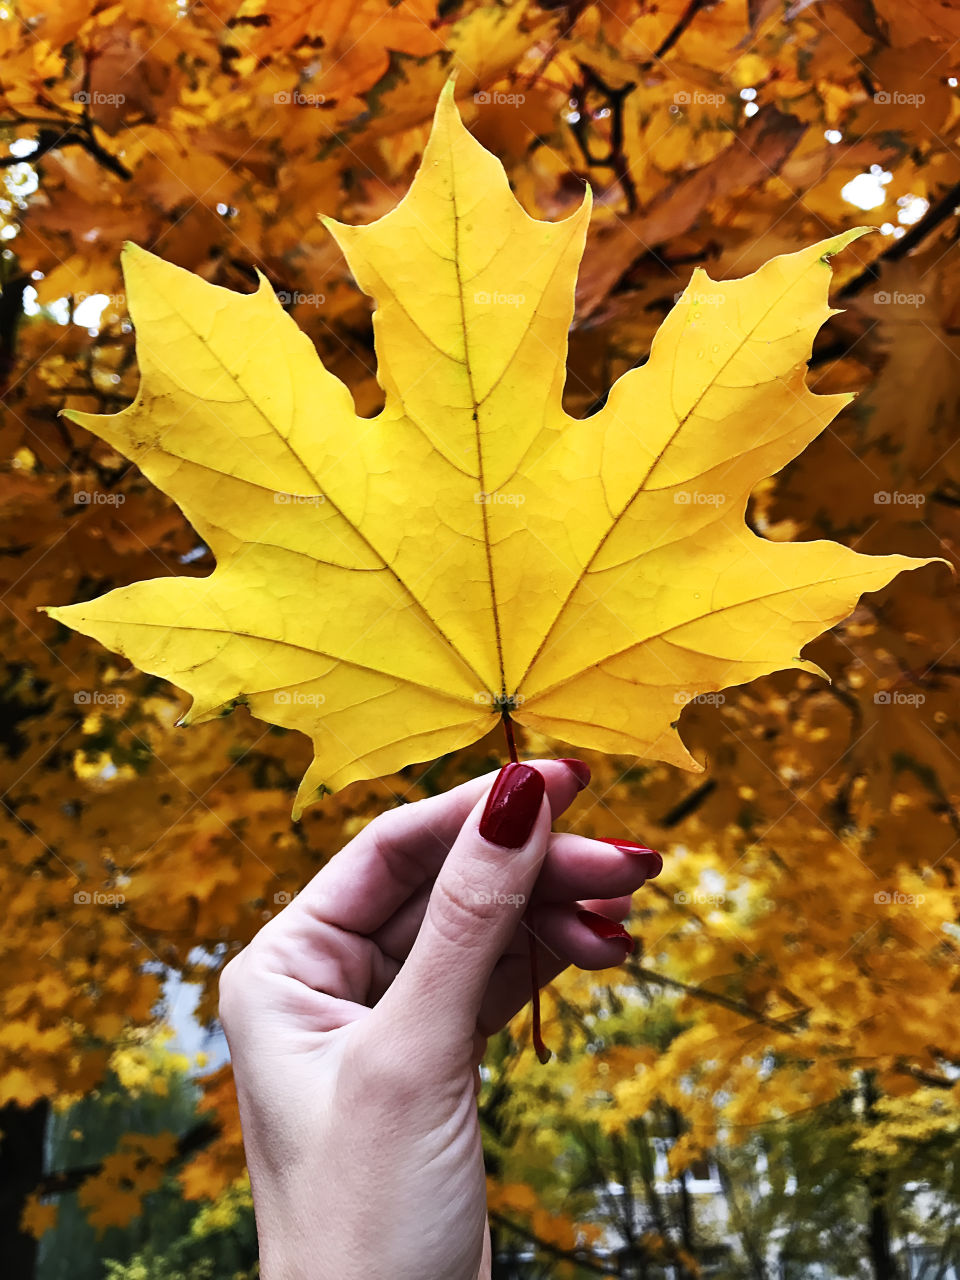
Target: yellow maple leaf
(389,585)
(158,1147)
(38,1216)
(19,1087)
(108,1205)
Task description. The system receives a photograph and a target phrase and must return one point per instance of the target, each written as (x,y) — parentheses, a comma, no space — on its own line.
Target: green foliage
(172,1239)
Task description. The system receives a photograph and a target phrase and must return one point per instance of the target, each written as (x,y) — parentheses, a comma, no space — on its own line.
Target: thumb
(477,900)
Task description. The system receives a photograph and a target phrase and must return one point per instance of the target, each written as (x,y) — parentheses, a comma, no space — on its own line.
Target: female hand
(358,1016)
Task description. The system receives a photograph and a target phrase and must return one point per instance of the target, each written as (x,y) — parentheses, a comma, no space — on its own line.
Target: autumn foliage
(803,937)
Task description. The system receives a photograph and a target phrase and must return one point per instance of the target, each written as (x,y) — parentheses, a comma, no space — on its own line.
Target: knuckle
(232,987)
(387,825)
(381,832)
(378,828)
(460,911)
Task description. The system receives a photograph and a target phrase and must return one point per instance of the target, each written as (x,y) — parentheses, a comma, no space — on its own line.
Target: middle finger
(575,867)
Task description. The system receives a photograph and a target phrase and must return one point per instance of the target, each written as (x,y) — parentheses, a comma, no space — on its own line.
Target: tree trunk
(753,1249)
(878,1224)
(686,1202)
(23,1132)
(878,1231)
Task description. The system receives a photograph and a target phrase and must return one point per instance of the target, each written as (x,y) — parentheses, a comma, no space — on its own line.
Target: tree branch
(944,208)
(642,974)
(679,27)
(580,1256)
(52,1184)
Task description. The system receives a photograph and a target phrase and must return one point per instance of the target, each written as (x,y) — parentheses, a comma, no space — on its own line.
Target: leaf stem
(542,1052)
(508,733)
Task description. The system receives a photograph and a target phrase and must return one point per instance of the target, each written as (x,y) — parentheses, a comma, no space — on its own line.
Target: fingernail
(512,806)
(579,769)
(651,858)
(605,928)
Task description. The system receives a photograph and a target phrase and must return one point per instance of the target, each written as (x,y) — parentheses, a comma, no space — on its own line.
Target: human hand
(358,1016)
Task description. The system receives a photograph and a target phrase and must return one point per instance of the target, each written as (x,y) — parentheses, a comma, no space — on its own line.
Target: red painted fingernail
(512,806)
(650,856)
(605,928)
(579,769)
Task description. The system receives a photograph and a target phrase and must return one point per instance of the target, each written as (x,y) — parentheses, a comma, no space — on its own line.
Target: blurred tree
(858,1187)
(149,1092)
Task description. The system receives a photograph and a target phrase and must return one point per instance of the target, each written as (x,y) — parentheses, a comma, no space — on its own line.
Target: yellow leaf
(19,1087)
(108,1205)
(37,1217)
(159,1147)
(389,585)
